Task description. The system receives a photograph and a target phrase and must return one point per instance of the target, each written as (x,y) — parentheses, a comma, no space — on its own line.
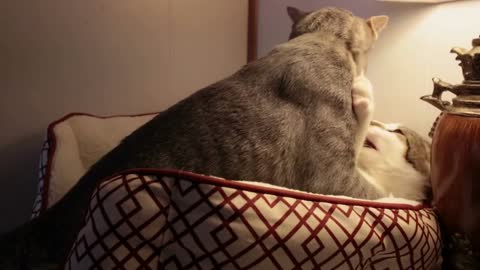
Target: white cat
(392,157)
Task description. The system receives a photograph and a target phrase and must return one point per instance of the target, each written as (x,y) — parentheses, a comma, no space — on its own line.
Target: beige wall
(102,57)
(413,49)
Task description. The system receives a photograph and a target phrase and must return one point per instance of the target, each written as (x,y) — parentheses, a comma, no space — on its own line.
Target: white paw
(362,97)
(362,87)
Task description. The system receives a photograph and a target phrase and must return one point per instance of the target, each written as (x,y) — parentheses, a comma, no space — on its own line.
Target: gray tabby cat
(285,119)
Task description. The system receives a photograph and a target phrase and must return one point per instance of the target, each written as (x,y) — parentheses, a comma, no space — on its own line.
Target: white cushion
(73,144)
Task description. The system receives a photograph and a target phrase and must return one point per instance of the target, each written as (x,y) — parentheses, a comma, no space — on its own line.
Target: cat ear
(296,14)
(377,24)
(418,151)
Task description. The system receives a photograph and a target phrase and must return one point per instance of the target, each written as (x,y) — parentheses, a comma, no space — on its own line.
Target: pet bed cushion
(163,219)
(169,219)
(73,143)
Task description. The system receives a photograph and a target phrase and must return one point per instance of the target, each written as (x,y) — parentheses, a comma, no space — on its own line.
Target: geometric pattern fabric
(165,219)
(39,203)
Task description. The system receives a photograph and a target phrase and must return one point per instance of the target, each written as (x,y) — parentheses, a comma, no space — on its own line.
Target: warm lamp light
(419,1)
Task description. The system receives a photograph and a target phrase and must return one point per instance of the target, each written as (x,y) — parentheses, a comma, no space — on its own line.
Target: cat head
(398,159)
(359,34)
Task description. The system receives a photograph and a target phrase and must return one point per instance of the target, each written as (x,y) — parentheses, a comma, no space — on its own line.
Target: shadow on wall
(17,175)
(101,57)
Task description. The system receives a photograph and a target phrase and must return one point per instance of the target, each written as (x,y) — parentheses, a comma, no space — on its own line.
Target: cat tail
(25,248)
(41,243)
(13,249)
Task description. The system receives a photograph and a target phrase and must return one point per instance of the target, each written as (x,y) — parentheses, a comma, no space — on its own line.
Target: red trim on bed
(99,116)
(266,190)
(52,141)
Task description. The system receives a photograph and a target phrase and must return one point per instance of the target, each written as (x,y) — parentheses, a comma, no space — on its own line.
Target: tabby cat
(285,119)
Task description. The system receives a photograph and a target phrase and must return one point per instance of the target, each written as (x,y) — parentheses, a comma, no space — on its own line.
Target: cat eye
(398,131)
(401,135)
(404,138)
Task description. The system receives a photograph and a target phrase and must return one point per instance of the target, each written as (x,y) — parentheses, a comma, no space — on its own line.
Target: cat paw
(362,98)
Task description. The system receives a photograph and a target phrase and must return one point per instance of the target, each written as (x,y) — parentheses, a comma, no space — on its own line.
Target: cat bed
(165,219)
(171,219)
(73,143)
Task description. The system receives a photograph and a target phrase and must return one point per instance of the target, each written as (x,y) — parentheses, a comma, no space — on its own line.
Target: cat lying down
(396,160)
(290,119)
(392,158)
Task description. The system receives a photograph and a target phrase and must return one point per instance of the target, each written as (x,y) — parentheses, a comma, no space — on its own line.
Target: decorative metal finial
(467,100)
(469,60)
